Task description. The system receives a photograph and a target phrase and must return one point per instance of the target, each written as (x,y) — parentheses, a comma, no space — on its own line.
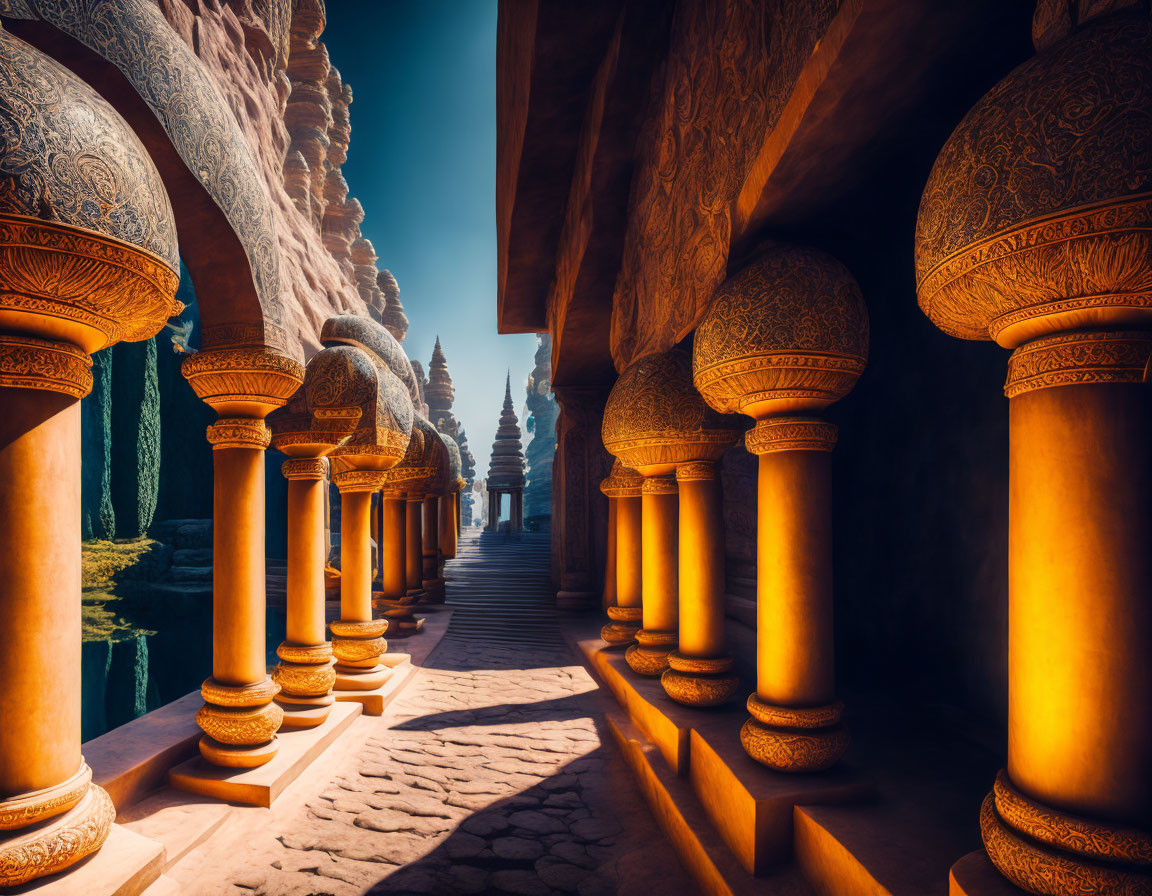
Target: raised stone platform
(374,700)
(260,786)
(126,865)
(975,875)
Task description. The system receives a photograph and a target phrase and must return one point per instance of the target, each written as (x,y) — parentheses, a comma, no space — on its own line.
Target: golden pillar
(1060,276)
(305,672)
(393,600)
(660,590)
(608,594)
(700,671)
(357,640)
(239,717)
(413,545)
(449,524)
(655,421)
(784,338)
(623,487)
(431,579)
(51,814)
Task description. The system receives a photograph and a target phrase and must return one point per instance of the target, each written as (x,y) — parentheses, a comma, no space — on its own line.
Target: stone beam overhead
(547,55)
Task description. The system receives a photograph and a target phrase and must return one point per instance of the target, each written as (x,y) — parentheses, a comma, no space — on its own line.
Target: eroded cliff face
(293,108)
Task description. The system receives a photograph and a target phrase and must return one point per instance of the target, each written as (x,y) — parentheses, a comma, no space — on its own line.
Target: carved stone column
(700,671)
(305,672)
(788,336)
(392,600)
(430,550)
(413,545)
(357,638)
(608,598)
(579,511)
(449,525)
(655,421)
(243,385)
(624,489)
(1058,270)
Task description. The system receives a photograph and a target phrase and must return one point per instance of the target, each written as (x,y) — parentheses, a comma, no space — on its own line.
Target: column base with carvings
(358,647)
(792,739)
(239,723)
(69,822)
(649,655)
(696,681)
(1051,853)
(306,675)
(622,630)
(402,622)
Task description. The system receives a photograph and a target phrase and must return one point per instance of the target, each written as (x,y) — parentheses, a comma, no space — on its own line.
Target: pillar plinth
(431,580)
(795,724)
(413,545)
(305,672)
(659,603)
(623,489)
(700,672)
(357,641)
(52,815)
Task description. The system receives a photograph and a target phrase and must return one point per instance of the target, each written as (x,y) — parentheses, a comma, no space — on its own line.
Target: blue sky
(423,164)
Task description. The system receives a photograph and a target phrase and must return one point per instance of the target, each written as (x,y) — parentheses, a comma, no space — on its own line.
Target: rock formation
(468,474)
(542,425)
(393,316)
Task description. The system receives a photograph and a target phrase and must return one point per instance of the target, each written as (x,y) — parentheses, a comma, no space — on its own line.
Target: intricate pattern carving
(1040,203)
(1078,358)
(788,332)
(242,375)
(134,36)
(303,680)
(1069,832)
(795,717)
(375,339)
(304,653)
(242,726)
(731,68)
(372,628)
(625,614)
(790,434)
(660,485)
(61,843)
(1051,872)
(648,660)
(305,468)
(359,480)
(352,650)
(27,363)
(247,695)
(655,419)
(622,482)
(30,808)
(239,432)
(67,156)
(793,750)
(699,664)
(697,688)
(701,471)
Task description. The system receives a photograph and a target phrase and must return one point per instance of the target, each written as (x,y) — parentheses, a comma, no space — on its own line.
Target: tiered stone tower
(542,425)
(440,394)
(392,317)
(506,469)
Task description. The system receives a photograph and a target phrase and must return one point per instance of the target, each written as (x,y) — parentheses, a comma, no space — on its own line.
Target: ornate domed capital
(655,419)
(787,334)
(243,382)
(622,482)
(1037,216)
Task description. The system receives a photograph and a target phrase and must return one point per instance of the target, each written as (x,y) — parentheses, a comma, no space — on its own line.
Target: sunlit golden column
(654,421)
(430,548)
(413,545)
(608,595)
(1057,266)
(786,337)
(623,486)
(700,671)
(239,718)
(402,556)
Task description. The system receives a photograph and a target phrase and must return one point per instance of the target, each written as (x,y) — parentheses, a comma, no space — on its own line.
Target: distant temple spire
(440,393)
(506,468)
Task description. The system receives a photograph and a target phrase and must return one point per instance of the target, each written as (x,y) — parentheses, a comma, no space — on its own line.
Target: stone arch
(128,52)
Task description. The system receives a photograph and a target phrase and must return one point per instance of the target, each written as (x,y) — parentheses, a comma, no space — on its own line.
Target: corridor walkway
(493,772)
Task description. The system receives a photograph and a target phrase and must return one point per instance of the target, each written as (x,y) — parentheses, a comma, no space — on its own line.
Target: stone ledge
(975,875)
(126,865)
(178,820)
(375,700)
(260,786)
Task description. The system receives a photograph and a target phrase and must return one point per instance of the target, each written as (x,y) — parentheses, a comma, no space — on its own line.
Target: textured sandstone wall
(292,106)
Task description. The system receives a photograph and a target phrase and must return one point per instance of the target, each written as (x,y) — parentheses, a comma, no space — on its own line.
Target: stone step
(192,557)
(189,574)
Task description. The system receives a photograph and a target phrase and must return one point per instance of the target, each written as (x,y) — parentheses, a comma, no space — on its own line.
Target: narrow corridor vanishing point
(492,773)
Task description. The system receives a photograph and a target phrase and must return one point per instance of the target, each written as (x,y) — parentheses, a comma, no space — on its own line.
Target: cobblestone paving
(495,774)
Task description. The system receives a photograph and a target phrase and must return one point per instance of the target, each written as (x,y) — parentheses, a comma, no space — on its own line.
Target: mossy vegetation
(113,574)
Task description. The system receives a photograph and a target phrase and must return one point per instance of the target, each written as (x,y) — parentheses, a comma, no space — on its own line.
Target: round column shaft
(430,550)
(448,525)
(1073,808)
(795,724)
(626,615)
(239,717)
(659,603)
(413,545)
(305,673)
(357,642)
(43,777)
(700,672)
(393,602)
(608,597)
